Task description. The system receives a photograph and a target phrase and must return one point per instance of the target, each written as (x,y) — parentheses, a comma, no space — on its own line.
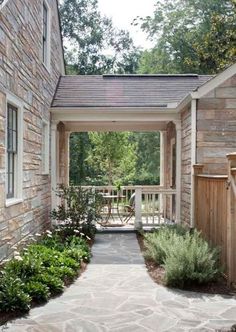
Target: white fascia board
(214,82)
(184,102)
(106,110)
(114,114)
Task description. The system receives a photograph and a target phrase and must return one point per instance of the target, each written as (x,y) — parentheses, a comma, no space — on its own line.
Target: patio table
(109,199)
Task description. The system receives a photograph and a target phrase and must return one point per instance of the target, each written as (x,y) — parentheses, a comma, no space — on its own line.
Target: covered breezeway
(124,103)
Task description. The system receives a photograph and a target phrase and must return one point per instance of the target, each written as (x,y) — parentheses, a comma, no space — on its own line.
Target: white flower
(76,231)
(82,234)
(18,258)
(48,232)
(49,235)
(87,237)
(37,234)
(16,253)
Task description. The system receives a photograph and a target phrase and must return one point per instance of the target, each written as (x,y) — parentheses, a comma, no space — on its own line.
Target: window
(14,150)
(46,35)
(11,149)
(45,148)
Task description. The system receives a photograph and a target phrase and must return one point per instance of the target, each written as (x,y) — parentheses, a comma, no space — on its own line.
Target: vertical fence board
(211,210)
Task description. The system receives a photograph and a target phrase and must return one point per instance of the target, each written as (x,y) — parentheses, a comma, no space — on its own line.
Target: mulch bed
(157,273)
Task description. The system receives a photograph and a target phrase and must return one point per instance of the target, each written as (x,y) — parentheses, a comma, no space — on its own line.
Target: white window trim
(45,162)
(47,64)
(15,101)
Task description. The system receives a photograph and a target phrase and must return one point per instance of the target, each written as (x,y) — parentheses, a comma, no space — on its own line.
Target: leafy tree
(112,155)
(79,168)
(136,158)
(94,45)
(191,36)
(148,158)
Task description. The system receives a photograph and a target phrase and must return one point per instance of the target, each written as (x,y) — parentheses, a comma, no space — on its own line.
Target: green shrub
(80,209)
(12,294)
(24,268)
(158,242)
(41,271)
(38,291)
(53,242)
(54,283)
(62,272)
(189,259)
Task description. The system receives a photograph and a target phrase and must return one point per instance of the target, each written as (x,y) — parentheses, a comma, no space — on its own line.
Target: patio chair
(130,209)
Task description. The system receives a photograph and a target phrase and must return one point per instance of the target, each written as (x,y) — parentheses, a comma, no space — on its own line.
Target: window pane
(10,175)
(14,121)
(45,32)
(10,140)
(14,139)
(11,128)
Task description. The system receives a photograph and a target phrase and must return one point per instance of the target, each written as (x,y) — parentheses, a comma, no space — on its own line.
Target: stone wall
(24,75)
(186,166)
(216,127)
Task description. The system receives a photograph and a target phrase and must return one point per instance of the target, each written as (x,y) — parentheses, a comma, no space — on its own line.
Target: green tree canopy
(93,44)
(191,36)
(112,155)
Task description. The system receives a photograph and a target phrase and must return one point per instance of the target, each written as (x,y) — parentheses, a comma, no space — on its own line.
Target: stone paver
(116,294)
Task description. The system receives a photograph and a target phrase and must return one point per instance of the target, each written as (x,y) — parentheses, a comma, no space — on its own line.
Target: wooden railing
(153,204)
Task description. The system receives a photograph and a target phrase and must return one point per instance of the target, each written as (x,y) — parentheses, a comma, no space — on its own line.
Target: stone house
(31,61)
(40,107)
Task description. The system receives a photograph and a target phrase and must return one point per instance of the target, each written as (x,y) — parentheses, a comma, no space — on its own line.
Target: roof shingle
(125,90)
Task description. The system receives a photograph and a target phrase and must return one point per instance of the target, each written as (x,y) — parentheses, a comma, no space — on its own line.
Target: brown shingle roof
(125,90)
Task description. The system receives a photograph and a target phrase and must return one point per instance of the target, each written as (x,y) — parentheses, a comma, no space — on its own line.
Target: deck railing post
(138,208)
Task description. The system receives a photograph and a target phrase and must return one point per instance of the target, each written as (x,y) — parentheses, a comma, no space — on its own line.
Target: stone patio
(116,294)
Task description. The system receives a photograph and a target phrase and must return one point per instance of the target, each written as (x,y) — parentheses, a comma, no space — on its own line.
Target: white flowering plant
(79,210)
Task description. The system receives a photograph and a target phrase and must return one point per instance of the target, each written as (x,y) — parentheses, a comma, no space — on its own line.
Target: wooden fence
(215,212)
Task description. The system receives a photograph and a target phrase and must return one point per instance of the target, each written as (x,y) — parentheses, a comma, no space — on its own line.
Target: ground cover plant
(185,256)
(41,270)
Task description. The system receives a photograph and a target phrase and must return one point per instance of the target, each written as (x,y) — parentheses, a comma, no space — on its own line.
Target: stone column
(178,169)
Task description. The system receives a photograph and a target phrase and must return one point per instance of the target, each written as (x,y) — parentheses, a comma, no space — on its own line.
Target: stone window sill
(13,201)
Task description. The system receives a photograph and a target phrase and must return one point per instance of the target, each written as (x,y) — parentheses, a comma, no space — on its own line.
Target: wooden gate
(215,212)
(211,210)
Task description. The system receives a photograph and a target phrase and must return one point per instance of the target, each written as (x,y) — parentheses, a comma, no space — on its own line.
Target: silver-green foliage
(190,259)
(186,257)
(158,242)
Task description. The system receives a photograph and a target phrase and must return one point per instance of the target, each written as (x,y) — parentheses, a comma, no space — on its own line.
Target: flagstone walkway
(116,294)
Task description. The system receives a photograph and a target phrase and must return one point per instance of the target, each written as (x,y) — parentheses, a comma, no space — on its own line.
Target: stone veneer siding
(186,166)
(216,127)
(23,74)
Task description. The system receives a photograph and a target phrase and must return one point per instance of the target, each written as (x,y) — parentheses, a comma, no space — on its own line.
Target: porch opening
(134,196)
